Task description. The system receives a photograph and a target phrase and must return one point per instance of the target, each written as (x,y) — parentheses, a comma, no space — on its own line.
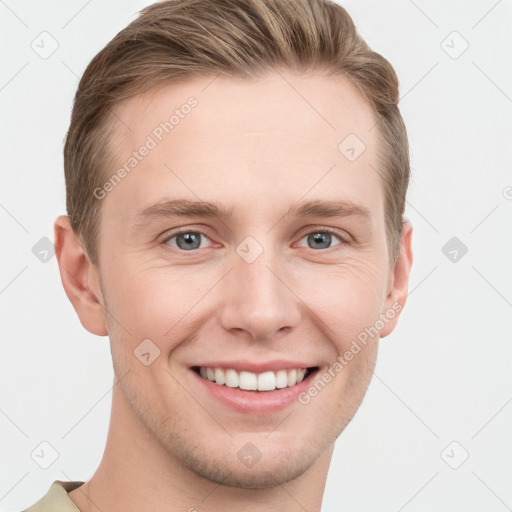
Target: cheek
(348,298)
(158,301)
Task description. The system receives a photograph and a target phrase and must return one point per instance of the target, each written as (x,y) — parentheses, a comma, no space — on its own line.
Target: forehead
(321,109)
(281,133)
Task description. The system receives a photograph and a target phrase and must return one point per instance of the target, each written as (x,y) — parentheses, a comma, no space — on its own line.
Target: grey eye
(321,239)
(189,240)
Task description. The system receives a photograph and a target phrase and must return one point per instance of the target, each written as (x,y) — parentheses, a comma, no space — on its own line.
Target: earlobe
(79,277)
(397,296)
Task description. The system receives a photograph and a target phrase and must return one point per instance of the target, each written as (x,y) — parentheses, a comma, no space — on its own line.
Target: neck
(137,473)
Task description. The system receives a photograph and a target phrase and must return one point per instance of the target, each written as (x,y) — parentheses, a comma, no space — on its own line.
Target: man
(236,173)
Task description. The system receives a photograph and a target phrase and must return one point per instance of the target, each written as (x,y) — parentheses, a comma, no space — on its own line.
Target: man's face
(258,287)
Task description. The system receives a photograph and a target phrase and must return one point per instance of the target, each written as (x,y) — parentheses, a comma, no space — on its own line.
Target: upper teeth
(267,381)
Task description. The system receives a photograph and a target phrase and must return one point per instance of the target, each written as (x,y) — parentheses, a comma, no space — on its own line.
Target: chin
(271,470)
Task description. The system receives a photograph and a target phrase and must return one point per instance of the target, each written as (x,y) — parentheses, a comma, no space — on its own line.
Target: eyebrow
(186,208)
(205,209)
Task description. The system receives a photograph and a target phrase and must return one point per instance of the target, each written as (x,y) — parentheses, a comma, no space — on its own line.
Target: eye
(190,240)
(186,240)
(321,239)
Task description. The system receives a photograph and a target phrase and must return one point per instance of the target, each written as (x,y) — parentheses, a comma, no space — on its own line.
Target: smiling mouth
(249,381)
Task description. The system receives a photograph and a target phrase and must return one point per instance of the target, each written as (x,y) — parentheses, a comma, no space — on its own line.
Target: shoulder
(56,499)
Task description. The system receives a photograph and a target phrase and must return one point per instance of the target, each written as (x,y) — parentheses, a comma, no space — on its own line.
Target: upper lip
(256,367)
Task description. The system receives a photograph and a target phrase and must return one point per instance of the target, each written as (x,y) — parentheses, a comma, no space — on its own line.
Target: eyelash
(344,240)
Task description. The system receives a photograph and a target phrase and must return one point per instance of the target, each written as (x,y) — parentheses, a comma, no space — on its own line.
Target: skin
(258,147)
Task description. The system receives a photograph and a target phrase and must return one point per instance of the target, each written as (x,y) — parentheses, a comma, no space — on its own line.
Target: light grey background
(442,377)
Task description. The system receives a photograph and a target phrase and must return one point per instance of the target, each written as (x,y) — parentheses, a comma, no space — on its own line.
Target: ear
(80,277)
(398,282)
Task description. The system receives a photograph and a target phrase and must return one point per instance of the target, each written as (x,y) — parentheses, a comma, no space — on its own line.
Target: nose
(260,300)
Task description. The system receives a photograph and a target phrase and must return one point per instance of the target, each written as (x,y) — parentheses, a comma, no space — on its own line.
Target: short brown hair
(180,39)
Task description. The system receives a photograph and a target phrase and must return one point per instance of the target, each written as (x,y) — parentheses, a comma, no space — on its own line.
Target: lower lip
(255,402)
